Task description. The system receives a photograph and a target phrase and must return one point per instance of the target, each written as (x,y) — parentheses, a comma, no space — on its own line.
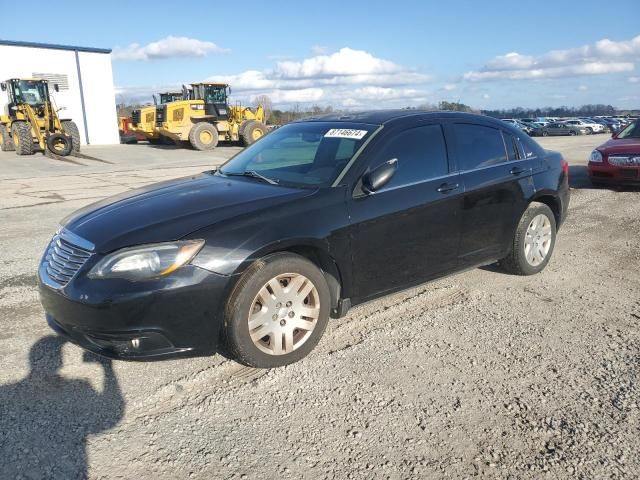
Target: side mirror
(378,177)
(3,86)
(56,87)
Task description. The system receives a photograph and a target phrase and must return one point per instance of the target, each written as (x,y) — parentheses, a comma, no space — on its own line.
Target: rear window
(478,146)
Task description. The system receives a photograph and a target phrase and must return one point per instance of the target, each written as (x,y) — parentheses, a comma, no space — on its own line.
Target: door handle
(447,187)
(517,171)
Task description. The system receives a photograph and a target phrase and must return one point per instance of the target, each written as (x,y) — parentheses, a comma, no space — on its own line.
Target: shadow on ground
(45,419)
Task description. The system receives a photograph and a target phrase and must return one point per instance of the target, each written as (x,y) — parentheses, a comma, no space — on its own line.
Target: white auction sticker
(345,133)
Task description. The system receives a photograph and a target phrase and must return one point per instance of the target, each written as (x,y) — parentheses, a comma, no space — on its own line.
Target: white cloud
(346,62)
(603,57)
(319,50)
(634,79)
(449,87)
(485,96)
(583,88)
(167,47)
(346,78)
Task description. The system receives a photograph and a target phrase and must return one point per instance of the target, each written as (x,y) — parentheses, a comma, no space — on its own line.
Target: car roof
(383,117)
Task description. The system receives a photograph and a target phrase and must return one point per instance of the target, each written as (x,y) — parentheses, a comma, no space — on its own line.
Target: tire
(71,129)
(516,262)
(6,143)
(253,131)
(241,129)
(545,133)
(203,136)
(60,144)
(589,131)
(22,139)
(279,306)
(572,133)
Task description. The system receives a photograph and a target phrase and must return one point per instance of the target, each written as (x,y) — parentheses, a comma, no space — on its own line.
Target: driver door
(409,230)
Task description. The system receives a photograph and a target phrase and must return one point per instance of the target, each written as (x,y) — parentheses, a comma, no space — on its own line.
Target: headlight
(147,261)
(596,157)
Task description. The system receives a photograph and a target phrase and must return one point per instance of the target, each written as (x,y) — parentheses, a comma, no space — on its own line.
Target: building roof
(52,46)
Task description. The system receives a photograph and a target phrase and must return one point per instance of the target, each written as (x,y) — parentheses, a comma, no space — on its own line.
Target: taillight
(565,167)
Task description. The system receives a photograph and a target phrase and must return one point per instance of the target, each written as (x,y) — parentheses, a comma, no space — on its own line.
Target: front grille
(135,117)
(624,159)
(63,260)
(161,113)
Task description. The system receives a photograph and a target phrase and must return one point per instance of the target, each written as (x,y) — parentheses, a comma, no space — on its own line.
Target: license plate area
(628,173)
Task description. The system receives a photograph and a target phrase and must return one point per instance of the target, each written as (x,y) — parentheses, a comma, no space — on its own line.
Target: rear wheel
(71,129)
(203,136)
(572,132)
(589,131)
(22,139)
(545,133)
(253,131)
(533,242)
(6,143)
(277,312)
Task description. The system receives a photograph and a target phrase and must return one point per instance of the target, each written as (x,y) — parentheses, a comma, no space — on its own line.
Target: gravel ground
(478,374)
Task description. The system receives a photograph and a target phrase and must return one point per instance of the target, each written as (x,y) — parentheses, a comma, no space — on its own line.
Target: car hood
(621,145)
(170,210)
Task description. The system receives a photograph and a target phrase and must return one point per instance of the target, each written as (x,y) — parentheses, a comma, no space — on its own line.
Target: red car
(618,160)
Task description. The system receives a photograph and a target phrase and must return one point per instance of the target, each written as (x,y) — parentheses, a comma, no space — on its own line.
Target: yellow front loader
(207,118)
(31,123)
(143,120)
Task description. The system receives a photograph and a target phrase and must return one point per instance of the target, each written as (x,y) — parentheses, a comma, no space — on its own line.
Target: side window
(478,146)
(513,151)
(421,154)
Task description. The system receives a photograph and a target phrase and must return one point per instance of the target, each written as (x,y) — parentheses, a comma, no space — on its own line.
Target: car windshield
(631,131)
(33,93)
(306,154)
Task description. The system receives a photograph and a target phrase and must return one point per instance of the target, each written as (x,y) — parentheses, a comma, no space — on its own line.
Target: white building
(83,76)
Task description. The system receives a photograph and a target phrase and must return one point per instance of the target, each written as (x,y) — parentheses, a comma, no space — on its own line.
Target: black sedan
(316,217)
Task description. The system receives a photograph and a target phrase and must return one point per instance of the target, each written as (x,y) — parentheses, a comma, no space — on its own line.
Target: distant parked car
(536,129)
(563,128)
(589,127)
(618,160)
(518,124)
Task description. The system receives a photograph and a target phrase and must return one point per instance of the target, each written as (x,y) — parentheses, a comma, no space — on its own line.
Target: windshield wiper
(252,174)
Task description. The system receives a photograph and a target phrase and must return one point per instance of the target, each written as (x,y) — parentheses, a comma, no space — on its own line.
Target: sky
(360,54)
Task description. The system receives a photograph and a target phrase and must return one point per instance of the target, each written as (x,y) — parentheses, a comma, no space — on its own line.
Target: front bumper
(605,173)
(177,315)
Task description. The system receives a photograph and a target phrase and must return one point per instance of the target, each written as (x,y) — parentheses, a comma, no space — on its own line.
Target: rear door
(407,231)
(497,178)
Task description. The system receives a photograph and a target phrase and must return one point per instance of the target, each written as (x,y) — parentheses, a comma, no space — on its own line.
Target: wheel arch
(550,201)
(313,251)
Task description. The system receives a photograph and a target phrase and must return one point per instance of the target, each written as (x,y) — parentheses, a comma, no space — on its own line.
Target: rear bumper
(179,315)
(611,174)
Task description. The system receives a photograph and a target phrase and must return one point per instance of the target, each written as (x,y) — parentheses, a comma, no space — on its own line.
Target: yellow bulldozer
(143,120)
(30,121)
(207,118)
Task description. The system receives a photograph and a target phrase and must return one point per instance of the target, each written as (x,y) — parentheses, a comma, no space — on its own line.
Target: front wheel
(71,129)
(277,312)
(533,241)
(252,131)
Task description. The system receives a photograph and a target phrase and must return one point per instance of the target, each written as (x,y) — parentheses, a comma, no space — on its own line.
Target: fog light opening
(135,343)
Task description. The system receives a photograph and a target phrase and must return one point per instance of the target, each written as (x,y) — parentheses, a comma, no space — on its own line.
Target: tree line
(296,112)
